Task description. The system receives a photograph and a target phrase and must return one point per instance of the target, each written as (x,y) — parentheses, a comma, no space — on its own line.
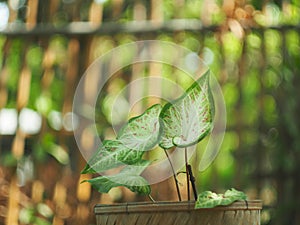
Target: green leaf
(142,132)
(59,154)
(129,177)
(188,119)
(208,199)
(235,194)
(138,135)
(111,155)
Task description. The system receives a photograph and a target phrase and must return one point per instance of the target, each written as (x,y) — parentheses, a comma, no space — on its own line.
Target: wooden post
(31,14)
(96,13)
(13,202)
(4,74)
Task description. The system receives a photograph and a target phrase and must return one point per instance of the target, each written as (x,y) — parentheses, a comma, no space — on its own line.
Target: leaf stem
(151,198)
(192,179)
(187,174)
(174,175)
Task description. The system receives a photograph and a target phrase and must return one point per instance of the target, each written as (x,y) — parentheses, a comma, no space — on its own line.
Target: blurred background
(252,47)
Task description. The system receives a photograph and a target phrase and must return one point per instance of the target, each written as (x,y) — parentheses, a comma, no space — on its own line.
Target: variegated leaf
(188,119)
(208,199)
(110,155)
(128,177)
(142,132)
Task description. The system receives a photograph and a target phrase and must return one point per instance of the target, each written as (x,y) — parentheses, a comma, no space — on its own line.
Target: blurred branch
(86,28)
(134,27)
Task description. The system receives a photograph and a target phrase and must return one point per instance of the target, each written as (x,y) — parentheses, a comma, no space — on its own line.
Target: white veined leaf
(128,177)
(110,155)
(188,119)
(142,132)
(208,199)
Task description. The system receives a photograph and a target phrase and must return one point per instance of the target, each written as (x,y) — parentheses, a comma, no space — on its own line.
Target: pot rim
(166,206)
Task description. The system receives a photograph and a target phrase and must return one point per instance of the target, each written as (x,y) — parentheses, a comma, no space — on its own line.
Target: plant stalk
(192,179)
(174,175)
(151,198)
(187,174)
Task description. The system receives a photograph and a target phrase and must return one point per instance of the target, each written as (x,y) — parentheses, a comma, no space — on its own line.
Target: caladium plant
(181,123)
(110,155)
(208,199)
(140,134)
(187,120)
(128,177)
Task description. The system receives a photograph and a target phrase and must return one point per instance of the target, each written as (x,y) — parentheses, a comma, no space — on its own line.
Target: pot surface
(178,213)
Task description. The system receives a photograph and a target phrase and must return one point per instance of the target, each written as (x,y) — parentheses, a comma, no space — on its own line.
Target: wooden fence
(47,45)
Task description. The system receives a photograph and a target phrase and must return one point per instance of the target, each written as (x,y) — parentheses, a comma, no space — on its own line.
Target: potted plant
(181,123)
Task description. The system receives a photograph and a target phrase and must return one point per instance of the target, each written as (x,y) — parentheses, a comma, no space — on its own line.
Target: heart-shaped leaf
(110,155)
(187,120)
(128,177)
(208,199)
(142,132)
